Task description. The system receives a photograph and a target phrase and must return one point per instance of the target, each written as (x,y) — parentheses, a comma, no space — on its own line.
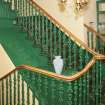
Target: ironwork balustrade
(96,40)
(81,80)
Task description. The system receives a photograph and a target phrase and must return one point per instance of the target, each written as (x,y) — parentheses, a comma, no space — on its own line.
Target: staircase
(32,37)
(96,40)
(8,87)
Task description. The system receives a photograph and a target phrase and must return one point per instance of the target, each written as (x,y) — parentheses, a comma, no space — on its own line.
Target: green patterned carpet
(20,50)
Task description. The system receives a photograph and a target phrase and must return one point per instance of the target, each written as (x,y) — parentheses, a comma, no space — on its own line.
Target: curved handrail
(94,31)
(96,56)
(54,75)
(69,33)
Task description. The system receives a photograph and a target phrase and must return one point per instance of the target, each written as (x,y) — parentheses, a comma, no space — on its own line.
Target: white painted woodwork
(6,65)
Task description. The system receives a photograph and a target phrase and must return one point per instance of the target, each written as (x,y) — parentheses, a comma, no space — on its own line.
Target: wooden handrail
(51,74)
(64,29)
(96,56)
(54,75)
(94,31)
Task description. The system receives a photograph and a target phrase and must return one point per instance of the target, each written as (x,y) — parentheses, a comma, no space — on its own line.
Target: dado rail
(81,82)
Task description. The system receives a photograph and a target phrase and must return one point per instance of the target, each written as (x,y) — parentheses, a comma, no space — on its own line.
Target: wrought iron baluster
(65,40)
(102,46)
(18,75)
(50,42)
(87,57)
(18,12)
(84,83)
(23,14)
(97,44)
(29,21)
(7,91)
(88,38)
(41,30)
(32,21)
(70,53)
(69,93)
(45,88)
(60,43)
(66,56)
(15,5)
(92,43)
(75,92)
(15,88)
(47,32)
(42,24)
(61,93)
(81,58)
(28,95)
(39,80)
(93,76)
(35,26)
(34,87)
(87,89)
(80,89)
(81,80)
(100,82)
(53,89)
(2,92)
(20,4)
(56,42)
(33,101)
(10,82)
(57,47)
(23,97)
(26,16)
(75,56)
(97,85)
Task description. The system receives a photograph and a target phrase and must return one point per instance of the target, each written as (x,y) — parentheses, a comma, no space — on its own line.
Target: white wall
(90,16)
(6,65)
(66,15)
(66,18)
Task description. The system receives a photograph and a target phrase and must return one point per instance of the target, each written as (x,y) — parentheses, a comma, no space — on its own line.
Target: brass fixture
(80,4)
(63,1)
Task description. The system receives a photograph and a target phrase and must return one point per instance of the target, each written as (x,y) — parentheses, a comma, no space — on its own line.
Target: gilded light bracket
(78,4)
